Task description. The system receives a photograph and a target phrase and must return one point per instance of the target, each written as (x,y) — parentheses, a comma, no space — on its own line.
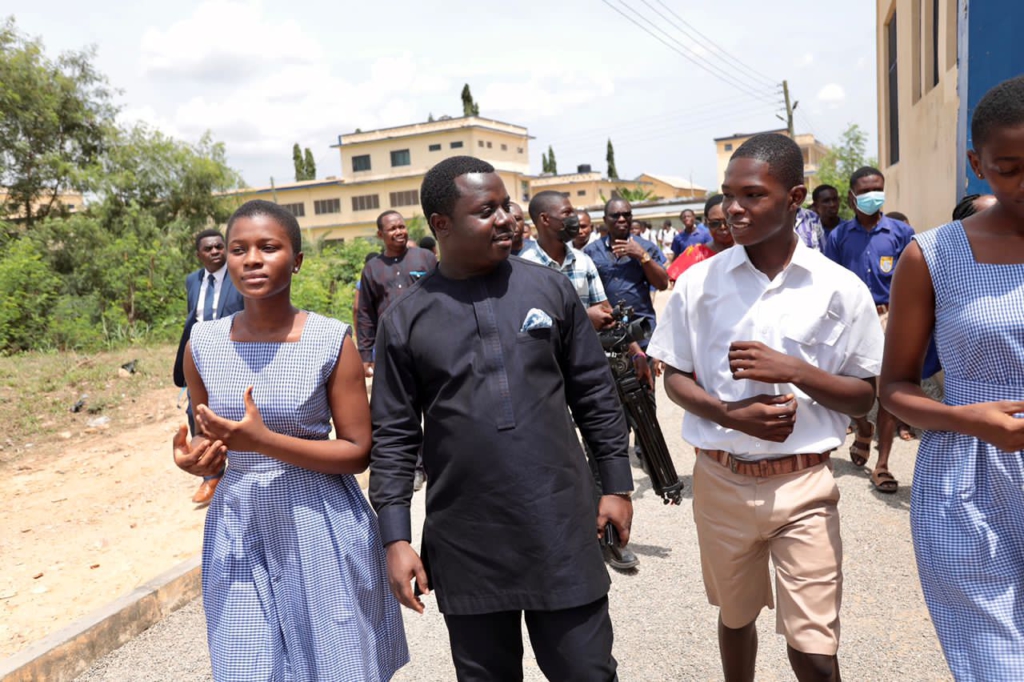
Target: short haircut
(438,193)
(427,242)
(713,200)
(864,172)
(821,189)
(207,233)
(782,155)
(896,215)
(965,209)
(1001,107)
(283,217)
(667,223)
(542,203)
(688,210)
(582,211)
(382,216)
(616,200)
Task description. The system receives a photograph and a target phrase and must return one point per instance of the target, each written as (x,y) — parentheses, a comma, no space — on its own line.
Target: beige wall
(922,184)
(814,151)
(667,191)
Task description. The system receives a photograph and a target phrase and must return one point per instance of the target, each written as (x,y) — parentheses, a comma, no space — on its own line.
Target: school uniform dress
(294,579)
(481,372)
(967,503)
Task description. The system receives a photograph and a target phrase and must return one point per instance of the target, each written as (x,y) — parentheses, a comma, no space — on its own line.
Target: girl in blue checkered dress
(294,576)
(965,280)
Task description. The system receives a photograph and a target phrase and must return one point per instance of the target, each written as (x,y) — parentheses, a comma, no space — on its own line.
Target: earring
(295,269)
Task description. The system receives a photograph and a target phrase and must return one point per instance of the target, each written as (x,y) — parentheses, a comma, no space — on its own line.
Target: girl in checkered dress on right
(965,281)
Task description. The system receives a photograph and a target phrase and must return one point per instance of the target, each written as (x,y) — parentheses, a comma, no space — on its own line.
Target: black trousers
(571,645)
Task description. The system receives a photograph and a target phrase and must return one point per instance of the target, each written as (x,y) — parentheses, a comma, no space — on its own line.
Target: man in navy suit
(211,295)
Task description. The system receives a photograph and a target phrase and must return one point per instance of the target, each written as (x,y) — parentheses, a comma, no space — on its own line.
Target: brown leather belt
(767,467)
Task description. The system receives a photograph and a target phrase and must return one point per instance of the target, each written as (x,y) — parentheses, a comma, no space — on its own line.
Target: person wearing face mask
(870,245)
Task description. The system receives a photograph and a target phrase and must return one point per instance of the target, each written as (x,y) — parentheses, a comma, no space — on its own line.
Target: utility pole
(273,189)
(790,108)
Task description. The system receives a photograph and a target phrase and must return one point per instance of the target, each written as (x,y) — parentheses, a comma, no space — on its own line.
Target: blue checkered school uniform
(294,579)
(967,506)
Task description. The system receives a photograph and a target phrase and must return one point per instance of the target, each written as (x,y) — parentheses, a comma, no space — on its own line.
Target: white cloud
(832,95)
(805,60)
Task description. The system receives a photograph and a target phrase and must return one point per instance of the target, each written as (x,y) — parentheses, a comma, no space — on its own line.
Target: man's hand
(404,566)
(201,457)
(617,510)
(768,417)
(600,316)
(757,362)
(627,247)
(643,370)
(657,366)
(367,369)
(996,425)
(242,435)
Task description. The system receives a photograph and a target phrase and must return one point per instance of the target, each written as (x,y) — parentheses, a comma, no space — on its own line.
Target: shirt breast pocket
(810,339)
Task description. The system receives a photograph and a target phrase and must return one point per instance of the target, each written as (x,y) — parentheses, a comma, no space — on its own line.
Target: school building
(935,60)
(383,169)
(813,150)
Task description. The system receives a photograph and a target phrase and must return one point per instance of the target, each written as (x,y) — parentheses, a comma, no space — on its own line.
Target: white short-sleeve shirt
(814,309)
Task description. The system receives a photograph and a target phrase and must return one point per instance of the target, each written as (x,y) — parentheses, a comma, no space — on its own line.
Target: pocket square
(536,319)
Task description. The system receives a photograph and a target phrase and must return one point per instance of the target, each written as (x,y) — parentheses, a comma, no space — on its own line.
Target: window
(298,210)
(400,158)
(322,206)
(488,145)
(456,145)
(564,194)
(435,147)
(581,192)
(892,94)
(728,146)
(360,163)
(504,147)
(935,43)
(408,198)
(367,202)
(519,150)
(480,143)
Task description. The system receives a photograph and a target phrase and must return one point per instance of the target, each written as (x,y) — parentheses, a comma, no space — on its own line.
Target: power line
(717,46)
(738,86)
(744,70)
(755,89)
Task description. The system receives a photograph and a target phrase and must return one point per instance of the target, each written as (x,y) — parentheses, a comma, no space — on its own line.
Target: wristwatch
(645,259)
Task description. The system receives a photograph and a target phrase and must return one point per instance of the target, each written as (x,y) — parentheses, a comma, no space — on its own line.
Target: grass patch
(38,389)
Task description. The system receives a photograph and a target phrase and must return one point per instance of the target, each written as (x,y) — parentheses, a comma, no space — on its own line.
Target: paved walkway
(664,628)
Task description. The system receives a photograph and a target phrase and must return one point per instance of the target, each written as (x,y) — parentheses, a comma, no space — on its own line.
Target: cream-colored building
(918,107)
(65,201)
(383,169)
(672,186)
(590,189)
(813,150)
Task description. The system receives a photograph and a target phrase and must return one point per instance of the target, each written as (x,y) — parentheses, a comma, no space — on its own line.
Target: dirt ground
(92,517)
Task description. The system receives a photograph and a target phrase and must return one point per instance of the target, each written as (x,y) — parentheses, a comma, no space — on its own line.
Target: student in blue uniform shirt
(870,245)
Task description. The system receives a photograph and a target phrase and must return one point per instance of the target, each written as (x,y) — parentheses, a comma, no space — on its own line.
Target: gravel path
(664,628)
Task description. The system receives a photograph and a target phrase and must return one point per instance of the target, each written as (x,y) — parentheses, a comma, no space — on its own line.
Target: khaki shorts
(794,519)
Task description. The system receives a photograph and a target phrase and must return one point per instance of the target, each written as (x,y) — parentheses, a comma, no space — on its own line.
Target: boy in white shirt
(769,348)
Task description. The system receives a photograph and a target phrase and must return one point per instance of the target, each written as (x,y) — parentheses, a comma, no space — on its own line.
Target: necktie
(208,300)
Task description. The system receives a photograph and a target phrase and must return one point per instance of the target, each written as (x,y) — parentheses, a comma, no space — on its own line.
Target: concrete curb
(65,654)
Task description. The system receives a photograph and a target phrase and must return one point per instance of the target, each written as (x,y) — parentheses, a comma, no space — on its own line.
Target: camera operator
(557,224)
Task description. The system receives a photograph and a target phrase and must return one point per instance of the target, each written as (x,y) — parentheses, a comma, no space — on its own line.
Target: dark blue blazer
(230,301)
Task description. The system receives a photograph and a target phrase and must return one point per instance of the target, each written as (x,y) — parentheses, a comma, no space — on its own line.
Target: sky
(261,76)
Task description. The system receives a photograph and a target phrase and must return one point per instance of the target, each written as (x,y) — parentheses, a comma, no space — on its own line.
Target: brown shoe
(205,492)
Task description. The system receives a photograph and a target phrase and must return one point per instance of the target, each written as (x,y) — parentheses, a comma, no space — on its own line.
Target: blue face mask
(870,203)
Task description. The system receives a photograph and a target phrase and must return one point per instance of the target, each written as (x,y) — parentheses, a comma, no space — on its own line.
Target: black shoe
(620,558)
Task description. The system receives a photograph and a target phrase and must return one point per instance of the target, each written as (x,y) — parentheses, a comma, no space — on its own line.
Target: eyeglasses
(716,224)
(622,214)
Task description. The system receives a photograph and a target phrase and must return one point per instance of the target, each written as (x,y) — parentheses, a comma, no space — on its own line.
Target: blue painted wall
(990,51)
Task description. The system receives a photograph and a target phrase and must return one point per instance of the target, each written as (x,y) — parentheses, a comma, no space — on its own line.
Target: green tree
(469,107)
(613,173)
(430,117)
(840,163)
(552,164)
(28,290)
(309,165)
(54,119)
(545,167)
(299,163)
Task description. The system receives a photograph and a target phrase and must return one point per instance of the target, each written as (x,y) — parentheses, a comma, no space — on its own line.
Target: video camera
(639,402)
